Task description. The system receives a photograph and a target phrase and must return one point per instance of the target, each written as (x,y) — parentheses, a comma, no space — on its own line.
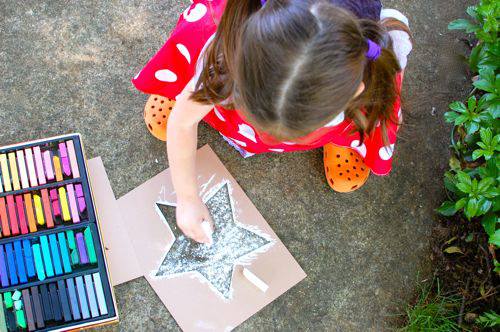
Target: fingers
(196,233)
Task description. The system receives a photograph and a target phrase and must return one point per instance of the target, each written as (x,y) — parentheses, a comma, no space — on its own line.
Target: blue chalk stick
(73,299)
(28,258)
(21,270)
(37,255)
(55,254)
(11,263)
(47,260)
(82,296)
(3,268)
(64,252)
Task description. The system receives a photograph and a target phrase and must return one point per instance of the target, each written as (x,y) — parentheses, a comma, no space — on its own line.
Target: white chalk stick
(256,281)
(208,231)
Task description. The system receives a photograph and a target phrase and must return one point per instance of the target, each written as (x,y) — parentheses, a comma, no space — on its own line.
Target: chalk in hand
(205,225)
(256,281)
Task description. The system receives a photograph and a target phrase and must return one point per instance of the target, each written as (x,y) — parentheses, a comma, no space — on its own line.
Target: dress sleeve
(168,72)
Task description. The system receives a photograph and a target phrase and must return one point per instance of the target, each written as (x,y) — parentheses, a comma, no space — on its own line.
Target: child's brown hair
(293,65)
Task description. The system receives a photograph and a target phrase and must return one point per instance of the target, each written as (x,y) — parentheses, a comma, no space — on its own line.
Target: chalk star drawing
(233,243)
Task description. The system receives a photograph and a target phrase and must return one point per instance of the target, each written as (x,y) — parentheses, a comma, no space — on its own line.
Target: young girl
(279,76)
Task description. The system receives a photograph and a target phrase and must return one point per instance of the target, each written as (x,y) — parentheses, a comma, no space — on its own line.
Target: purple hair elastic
(374,50)
(262,2)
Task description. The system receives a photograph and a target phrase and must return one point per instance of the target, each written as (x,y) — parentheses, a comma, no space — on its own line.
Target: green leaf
(484,85)
(464,177)
(495,239)
(450,117)
(460,203)
(476,154)
(447,209)
(489,222)
(458,106)
(472,103)
(462,24)
(455,163)
(484,184)
(486,135)
(453,250)
(471,208)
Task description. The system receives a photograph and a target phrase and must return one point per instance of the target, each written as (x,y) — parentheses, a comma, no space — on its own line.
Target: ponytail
(216,80)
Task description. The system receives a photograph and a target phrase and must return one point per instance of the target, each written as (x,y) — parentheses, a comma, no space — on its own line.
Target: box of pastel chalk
(53,271)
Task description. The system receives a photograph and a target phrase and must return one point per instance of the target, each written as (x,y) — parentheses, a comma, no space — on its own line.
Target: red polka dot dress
(175,64)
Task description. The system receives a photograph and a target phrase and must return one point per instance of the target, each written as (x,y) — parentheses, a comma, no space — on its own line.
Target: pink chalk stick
(39,165)
(81,198)
(47,162)
(21,214)
(31,167)
(23,173)
(63,153)
(72,203)
(72,159)
(54,198)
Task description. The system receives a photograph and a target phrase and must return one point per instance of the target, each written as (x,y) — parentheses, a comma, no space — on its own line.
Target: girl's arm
(182,138)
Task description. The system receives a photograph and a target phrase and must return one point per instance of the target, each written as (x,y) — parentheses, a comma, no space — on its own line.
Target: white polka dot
(184,51)
(289,143)
(238,142)
(277,150)
(361,149)
(218,114)
(137,76)
(166,75)
(386,152)
(247,131)
(377,124)
(338,120)
(193,14)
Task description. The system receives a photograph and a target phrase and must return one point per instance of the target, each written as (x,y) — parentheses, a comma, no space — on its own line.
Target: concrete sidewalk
(65,66)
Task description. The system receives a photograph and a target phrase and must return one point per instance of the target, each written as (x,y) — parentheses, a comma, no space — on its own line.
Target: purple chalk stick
(80,242)
(80,197)
(3,268)
(63,153)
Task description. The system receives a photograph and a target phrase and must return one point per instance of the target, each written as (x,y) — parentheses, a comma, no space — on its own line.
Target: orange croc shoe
(344,168)
(156,113)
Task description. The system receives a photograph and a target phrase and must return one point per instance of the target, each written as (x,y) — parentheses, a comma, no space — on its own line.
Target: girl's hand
(190,214)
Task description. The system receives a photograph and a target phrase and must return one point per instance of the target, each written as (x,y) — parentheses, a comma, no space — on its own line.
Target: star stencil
(232,244)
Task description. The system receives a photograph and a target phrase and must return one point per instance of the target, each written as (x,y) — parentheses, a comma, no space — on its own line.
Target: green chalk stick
(89,241)
(17,295)
(8,300)
(71,240)
(18,305)
(37,255)
(21,320)
(74,257)
(3,323)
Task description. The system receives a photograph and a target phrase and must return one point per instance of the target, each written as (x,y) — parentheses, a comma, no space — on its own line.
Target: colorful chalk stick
(73,297)
(57,168)
(37,201)
(49,268)
(7,185)
(64,252)
(30,162)
(3,323)
(37,307)
(30,213)
(54,198)
(101,299)
(20,319)
(46,208)
(63,153)
(89,241)
(54,300)
(82,251)
(82,206)
(21,215)
(72,159)
(72,203)
(4,277)
(82,297)
(72,248)
(11,264)
(23,172)
(1,184)
(63,200)
(29,310)
(21,270)
(89,285)
(14,175)
(16,296)
(7,297)
(4,218)
(11,208)
(28,258)
(56,258)
(18,305)
(39,165)
(37,255)
(46,304)
(47,163)
(63,298)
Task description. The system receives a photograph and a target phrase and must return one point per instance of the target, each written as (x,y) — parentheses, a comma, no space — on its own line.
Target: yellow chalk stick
(63,200)
(39,210)
(57,168)
(5,173)
(13,171)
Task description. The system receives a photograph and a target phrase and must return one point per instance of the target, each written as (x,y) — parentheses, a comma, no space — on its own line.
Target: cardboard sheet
(189,296)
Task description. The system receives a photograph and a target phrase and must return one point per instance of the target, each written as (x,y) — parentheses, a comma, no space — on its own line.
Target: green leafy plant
(489,319)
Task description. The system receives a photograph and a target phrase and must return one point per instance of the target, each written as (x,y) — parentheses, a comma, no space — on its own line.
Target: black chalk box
(53,270)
